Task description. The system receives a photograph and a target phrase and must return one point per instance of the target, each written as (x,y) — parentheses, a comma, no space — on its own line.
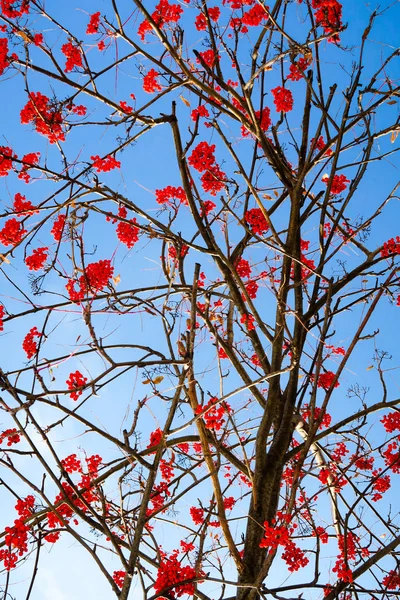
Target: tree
(199,280)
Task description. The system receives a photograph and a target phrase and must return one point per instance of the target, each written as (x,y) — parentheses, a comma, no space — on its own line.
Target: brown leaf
(185,101)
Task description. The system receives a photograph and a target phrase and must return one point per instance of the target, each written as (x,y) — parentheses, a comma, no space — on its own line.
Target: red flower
(283,99)
(24,507)
(75,382)
(243,268)
(36,261)
(105,164)
(328,14)
(74,56)
(150,83)
(95,278)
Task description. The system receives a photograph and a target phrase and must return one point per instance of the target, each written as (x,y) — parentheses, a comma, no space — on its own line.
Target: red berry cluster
(201,21)
(256,220)
(45,116)
(24,507)
(208,57)
(95,278)
(150,83)
(326,419)
(391,247)
(255,16)
(203,159)
(167,470)
(347,548)
(328,14)
(391,422)
(6,160)
(127,233)
(2,312)
(325,380)
(71,464)
(37,259)
(75,383)
(392,580)
(279,535)
(164,13)
(171,574)
(9,9)
(339,183)
(380,485)
(283,99)
(23,206)
(12,233)
(12,435)
(213,414)
(243,268)
(4,62)
(169,193)
(198,112)
(105,164)
(74,56)
(58,227)
(93,25)
(296,69)
(29,344)
(248,321)
(197,515)
(119,576)
(156,437)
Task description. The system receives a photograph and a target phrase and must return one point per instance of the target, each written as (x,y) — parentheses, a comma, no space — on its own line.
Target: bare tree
(198,295)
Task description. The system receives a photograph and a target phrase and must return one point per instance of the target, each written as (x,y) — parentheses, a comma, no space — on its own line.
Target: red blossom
(325,380)
(392,580)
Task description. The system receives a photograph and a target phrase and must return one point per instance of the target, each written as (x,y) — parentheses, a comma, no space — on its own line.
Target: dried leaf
(146,381)
(5,259)
(116,279)
(276,193)
(370,367)
(267,197)
(158,379)
(393,137)
(391,102)
(185,101)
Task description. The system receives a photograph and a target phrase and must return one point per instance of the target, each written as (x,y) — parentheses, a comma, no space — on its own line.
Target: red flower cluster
(45,116)
(127,233)
(255,16)
(213,415)
(37,259)
(6,160)
(95,278)
(74,56)
(12,232)
(12,435)
(75,382)
(256,220)
(4,62)
(119,577)
(283,99)
(93,25)
(165,195)
(296,69)
(164,13)
(328,14)
(9,9)
(150,83)
(29,344)
(391,422)
(391,247)
(339,183)
(105,164)
(171,574)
